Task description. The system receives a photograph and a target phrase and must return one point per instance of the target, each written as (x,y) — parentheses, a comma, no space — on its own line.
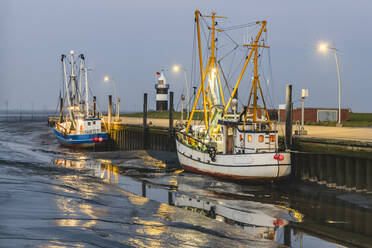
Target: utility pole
(304,94)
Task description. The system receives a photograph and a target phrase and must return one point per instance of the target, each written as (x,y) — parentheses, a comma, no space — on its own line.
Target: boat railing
(193,142)
(256,150)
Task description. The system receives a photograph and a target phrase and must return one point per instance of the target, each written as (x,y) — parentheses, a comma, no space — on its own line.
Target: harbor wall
(134,137)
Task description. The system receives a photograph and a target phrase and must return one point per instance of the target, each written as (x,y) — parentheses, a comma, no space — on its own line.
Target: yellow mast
(210,65)
(263,27)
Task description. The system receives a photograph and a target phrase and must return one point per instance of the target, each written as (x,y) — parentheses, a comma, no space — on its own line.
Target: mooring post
(369,176)
(144,110)
(360,173)
(144,124)
(60,109)
(288,117)
(109,111)
(287,236)
(170,198)
(331,171)
(340,173)
(94,105)
(349,174)
(171,113)
(321,169)
(143,189)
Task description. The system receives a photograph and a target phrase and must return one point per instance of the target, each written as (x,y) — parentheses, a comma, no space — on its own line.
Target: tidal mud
(51,196)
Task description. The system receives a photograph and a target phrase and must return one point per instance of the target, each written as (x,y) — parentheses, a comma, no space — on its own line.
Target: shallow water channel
(55,197)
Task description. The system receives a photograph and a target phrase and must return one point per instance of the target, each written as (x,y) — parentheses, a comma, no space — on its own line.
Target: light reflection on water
(179,192)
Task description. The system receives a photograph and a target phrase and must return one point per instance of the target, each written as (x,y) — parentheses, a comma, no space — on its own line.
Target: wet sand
(44,204)
(52,196)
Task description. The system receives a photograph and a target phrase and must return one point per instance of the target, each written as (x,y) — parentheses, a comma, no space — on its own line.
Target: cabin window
(272,138)
(89,123)
(94,122)
(261,138)
(249,138)
(230,131)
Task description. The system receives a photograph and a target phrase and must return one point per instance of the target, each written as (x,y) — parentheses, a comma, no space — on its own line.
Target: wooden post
(144,110)
(331,172)
(60,109)
(94,105)
(143,189)
(369,177)
(287,236)
(360,175)
(144,124)
(340,173)
(322,169)
(171,113)
(288,116)
(349,175)
(109,112)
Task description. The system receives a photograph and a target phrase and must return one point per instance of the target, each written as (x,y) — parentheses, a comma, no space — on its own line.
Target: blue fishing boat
(79,124)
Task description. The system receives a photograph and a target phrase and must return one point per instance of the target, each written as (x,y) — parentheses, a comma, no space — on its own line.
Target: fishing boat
(82,126)
(228,143)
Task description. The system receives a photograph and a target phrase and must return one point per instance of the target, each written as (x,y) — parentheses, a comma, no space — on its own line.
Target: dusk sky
(132,40)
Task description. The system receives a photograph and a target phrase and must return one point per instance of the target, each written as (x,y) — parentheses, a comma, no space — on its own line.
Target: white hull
(234,166)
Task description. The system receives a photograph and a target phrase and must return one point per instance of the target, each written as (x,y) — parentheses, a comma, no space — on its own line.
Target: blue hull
(80,140)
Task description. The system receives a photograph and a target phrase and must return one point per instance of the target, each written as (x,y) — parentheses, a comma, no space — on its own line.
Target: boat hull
(80,140)
(248,166)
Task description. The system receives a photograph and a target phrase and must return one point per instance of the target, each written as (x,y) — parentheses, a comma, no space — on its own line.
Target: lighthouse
(161,92)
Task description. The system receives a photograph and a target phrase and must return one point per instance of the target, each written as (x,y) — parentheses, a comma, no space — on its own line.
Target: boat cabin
(238,138)
(88,126)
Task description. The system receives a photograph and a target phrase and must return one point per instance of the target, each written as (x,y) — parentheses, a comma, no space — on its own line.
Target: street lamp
(177,68)
(323,47)
(108,79)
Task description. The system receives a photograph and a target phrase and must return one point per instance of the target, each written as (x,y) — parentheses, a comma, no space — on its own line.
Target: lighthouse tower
(161,92)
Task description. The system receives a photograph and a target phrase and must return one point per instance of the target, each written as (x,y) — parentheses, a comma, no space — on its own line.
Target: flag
(157,73)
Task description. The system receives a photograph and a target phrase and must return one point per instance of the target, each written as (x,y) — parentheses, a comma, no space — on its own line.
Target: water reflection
(294,220)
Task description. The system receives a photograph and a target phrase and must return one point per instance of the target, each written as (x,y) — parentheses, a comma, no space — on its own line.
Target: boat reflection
(103,169)
(253,221)
(291,219)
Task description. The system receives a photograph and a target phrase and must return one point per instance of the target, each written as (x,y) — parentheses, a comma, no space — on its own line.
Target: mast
(263,28)
(81,56)
(66,86)
(210,68)
(73,78)
(86,92)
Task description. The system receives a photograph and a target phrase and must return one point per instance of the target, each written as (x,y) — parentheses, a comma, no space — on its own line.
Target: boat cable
(250,24)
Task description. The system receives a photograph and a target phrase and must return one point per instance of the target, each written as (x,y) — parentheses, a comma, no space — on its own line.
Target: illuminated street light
(177,68)
(323,47)
(108,79)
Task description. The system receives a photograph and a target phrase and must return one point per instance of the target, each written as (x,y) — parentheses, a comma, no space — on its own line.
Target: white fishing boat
(226,143)
(82,126)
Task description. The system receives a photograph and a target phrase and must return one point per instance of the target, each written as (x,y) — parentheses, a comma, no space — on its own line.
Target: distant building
(161,92)
(314,114)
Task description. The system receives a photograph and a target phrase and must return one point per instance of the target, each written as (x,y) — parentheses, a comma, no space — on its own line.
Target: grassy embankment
(163,115)
(355,119)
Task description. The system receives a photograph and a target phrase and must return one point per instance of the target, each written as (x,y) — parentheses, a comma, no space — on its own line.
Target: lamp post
(323,47)
(108,79)
(304,94)
(177,68)
(182,100)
